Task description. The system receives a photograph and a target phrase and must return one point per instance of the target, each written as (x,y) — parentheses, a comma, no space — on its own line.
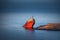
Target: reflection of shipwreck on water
(29,23)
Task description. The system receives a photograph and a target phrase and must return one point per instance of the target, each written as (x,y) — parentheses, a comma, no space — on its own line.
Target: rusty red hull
(29,24)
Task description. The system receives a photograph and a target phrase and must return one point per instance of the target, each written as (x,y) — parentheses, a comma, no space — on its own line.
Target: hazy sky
(30,5)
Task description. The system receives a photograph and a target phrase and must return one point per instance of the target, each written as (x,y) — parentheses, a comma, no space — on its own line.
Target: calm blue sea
(11,27)
(22,34)
(14,13)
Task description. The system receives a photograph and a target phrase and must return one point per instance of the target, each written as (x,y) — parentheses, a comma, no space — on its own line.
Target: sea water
(22,34)
(11,29)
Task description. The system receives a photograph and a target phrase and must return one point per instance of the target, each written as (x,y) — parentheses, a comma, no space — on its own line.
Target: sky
(16,12)
(30,6)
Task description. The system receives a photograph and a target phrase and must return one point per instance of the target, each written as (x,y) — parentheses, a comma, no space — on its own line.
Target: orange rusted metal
(29,23)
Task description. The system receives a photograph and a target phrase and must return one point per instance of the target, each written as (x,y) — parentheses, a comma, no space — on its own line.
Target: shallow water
(22,34)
